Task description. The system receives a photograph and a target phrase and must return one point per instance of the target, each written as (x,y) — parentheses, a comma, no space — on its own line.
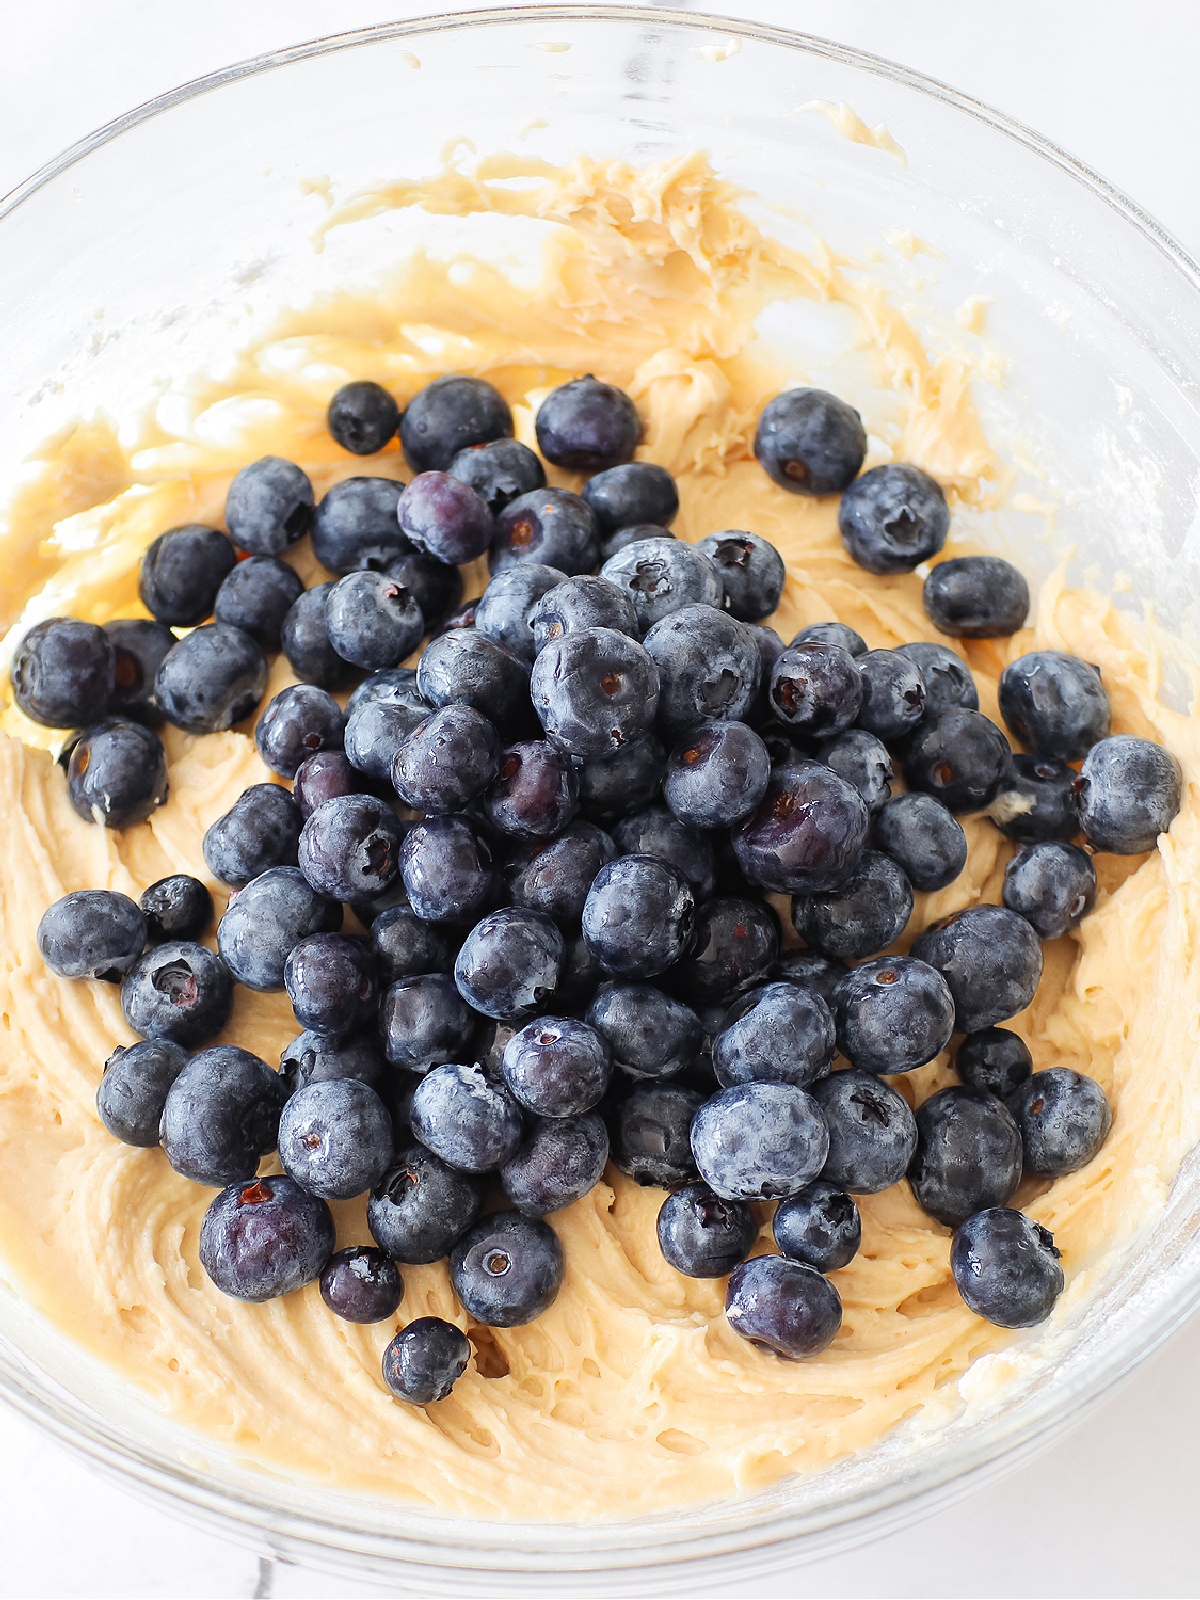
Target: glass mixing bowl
(139,249)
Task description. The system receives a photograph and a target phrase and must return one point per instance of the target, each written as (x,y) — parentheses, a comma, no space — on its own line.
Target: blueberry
(810,442)
(509,963)
(265,1238)
(1006,1267)
(656,831)
(959,757)
(807,834)
(595,692)
(1129,791)
(893,518)
(702,1235)
(1055,704)
(535,793)
(866,914)
(139,647)
(420,1206)
(462,616)
(893,694)
(451,414)
(499,472)
(350,848)
(893,1014)
(446,761)
(634,534)
(355,527)
(361,1285)
(182,572)
(435,586)
(922,837)
(1051,885)
(820,1227)
(579,603)
(330,980)
(1037,801)
(372,620)
(708,669)
(650,1034)
(1064,1118)
(296,724)
(554,876)
(861,759)
(651,1134)
(64,673)
(782,1035)
(266,921)
(316,1058)
(994,1061)
(968,1155)
(783,1307)
(362,417)
(838,633)
(557,1067)
(178,907)
(752,572)
(717,775)
(759,1141)
(425,1360)
(467,668)
(580,977)
(734,946)
(448,871)
(445,518)
(636,491)
(507,1269)
(663,575)
(256,597)
(872,1132)
(305,641)
(335,1138)
(770,647)
(260,830)
(587,426)
(117,774)
(551,527)
(178,991)
(639,916)
(213,678)
(467,1121)
(394,686)
(559,1161)
(976,597)
(613,785)
(816,690)
(325,776)
(507,607)
(221,1116)
(375,736)
(269,506)
(991,960)
(424,1022)
(948,680)
(134,1088)
(807,970)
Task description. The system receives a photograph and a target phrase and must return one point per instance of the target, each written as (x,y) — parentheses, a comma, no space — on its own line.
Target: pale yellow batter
(631,1393)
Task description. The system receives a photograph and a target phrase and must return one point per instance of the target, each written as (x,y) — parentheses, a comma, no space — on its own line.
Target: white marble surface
(1111,1510)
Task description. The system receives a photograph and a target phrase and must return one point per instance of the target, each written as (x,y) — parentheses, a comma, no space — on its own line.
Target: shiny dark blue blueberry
(269,506)
(717,775)
(1064,1118)
(350,848)
(420,1206)
(968,1154)
(807,970)
(445,518)
(425,1360)
(807,834)
(265,922)
(783,1307)
(355,527)
(991,960)
(657,831)
(499,472)
(554,875)
(446,761)
(221,1116)
(810,442)
(117,774)
(372,620)
(362,1284)
(465,1119)
(614,543)
(551,527)
(304,639)
(260,830)
(297,723)
(702,1235)
(435,586)
(535,793)
(734,945)
(612,786)
(316,1058)
(507,1269)
(506,609)
(960,758)
(448,870)
(212,679)
(893,1014)
(264,1238)
(867,913)
(139,646)
(650,1130)
(708,669)
(182,572)
(133,1090)
(376,734)
(587,426)
(861,759)
(559,1160)
(1054,704)
(819,1227)
(948,680)
(816,690)
(580,603)
(362,417)
(752,572)
(893,694)
(923,838)
(1006,1267)
(325,776)
(664,575)
(178,907)
(893,518)
(994,1060)
(330,980)
(467,668)
(1051,885)
(557,1066)
(595,692)
(650,1034)
(759,1141)
(394,686)
(509,963)
(976,597)
(778,1034)
(335,1138)
(639,916)
(424,1022)
(872,1132)
(178,991)
(839,633)
(636,491)
(257,596)
(64,673)
(1037,801)
(451,414)
(1129,791)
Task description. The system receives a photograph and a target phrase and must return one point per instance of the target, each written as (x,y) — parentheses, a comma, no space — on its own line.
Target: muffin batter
(632,1392)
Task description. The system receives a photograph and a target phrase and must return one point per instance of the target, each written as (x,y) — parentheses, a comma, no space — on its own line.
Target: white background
(1112,1511)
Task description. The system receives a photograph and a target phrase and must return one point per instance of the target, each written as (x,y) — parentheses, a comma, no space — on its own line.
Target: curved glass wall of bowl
(158,246)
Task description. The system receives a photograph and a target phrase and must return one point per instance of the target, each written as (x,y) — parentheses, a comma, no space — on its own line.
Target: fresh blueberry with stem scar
(507,1269)
(182,572)
(819,1227)
(587,426)
(861,759)
(808,833)
(595,692)
(266,921)
(212,679)
(260,830)
(139,646)
(509,964)
(178,991)
(424,1022)
(178,907)
(751,569)
(435,586)
(330,980)
(892,518)
(316,1058)
(467,1121)
(948,680)
(1006,1267)
(639,916)
(64,673)
(117,774)
(304,639)
(269,506)
(872,1132)
(375,736)
(355,527)
(651,1134)
(448,871)
(1055,704)
(1064,1118)
(221,1116)
(265,1237)
(759,1141)
(335,1138)
(702,1235)
(467,668)
(810,442)
(734,946)
(816,690)
(866,914)
(893,694)
(1052,885)
(893,1014)
(420,1207)
(133,1090)
(579,603)
(968,1155)
(297,723)
(559,1160)
(650,1034)
(551,527)
(554,875)
(991,960)
(635,492)
(362,417)
(256,597)
(451,414)
(776,1034)
(394,686)
(325,776)
(717,775)
(508,605)
(362,1285)
(994,1060)
(445,518)
(976,597)
(372,620)
(499,472)
(535,792)
(708,669)
(657,831)
(960,758)
(557,1067)
(663,575)
(783,1307)
(350,848)
(425,1360)
(1037,801)
(1128,791)
(923,838)
(446,761)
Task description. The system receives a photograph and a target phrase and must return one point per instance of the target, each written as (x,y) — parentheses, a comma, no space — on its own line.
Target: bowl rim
(519,1550)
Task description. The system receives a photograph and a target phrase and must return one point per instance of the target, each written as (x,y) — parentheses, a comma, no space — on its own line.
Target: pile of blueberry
(561,831)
